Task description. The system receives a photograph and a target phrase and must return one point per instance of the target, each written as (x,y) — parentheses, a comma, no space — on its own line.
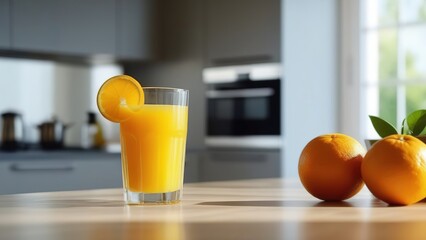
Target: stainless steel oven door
(244,108)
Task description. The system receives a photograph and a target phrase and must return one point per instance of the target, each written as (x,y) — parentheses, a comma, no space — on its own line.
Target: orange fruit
(394,169)
(119,97)
(330,167)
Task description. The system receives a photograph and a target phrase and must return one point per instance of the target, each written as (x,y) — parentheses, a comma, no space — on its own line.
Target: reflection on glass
(412,10)
(152,231)
(388,11)
(256,108)
(391,12)
(224,109)
(387,104)
(382,102)
(388,55)
(371,63)
(381,12)
(413,49)
(166,226)
(371,108)
(382,51)
(416,97)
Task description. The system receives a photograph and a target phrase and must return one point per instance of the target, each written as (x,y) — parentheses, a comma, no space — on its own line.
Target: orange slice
(119,97)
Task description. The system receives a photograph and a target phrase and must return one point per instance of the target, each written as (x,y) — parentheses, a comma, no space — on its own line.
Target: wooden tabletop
(252,209)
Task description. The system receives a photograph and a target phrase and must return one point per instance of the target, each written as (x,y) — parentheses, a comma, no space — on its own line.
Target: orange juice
(153,148)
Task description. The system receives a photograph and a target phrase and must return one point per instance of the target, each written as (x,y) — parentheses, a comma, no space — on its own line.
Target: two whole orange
(333,167)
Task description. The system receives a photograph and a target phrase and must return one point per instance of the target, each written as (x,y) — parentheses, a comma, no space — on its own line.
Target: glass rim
(166,88)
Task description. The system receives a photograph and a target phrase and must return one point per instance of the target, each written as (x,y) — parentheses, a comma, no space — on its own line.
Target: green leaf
(383,128)
(420,125)
(416,121)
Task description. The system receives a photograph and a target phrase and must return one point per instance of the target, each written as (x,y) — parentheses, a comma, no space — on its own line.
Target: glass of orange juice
(153,141)
(153,126)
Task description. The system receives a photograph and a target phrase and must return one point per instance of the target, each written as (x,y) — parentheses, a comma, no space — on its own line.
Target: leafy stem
(403,127)
(414,124)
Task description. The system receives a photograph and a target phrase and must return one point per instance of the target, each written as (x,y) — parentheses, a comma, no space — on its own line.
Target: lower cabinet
(66,173)
(45,172)
(217,165)
(192,160)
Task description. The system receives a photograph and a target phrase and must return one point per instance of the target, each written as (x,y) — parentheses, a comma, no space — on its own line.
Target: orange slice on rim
(119,97)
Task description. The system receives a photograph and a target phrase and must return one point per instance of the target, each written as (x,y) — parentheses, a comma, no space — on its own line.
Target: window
(392,60)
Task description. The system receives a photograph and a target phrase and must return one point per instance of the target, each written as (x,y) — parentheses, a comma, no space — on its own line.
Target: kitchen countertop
(248,209)
(61,154)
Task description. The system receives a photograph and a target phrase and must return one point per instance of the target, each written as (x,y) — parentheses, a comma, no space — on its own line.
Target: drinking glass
(153,143)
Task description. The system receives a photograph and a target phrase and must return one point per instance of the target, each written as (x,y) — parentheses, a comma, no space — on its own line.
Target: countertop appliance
(244,106)
(12,131)
(52,134)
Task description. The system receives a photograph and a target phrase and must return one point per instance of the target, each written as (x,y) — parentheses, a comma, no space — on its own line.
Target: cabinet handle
(32,168)
(252,158)
(241,93)
(242,60)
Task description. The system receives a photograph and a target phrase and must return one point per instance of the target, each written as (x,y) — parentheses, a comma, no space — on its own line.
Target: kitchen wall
(26,86)
(75,91)
(310,54)
(41,89)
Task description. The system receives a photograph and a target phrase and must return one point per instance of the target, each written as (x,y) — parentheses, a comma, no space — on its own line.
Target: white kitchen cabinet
(5,23)
(68,172)
(242,31)
(217,165)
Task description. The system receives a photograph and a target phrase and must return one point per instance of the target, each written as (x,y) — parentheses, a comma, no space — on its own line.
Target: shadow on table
(298,203)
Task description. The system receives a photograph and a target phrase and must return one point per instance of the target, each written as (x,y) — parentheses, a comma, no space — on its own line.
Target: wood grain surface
(249,209)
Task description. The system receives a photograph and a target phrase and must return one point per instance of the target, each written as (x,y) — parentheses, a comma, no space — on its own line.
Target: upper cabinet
(62,26)
(242,31)
(5,23)
(135,29)
(118,28)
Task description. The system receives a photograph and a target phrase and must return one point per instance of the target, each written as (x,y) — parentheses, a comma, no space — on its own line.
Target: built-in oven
(243,106)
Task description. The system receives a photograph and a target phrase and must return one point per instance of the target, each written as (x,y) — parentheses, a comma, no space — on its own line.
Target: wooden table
(253,209)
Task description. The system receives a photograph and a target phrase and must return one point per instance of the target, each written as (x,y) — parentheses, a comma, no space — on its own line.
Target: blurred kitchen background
(265,77)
